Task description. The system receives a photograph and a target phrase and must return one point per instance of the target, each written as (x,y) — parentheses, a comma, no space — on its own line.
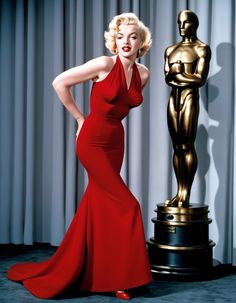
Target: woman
(104,248)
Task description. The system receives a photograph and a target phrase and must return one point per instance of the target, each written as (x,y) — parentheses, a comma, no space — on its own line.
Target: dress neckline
(127,87)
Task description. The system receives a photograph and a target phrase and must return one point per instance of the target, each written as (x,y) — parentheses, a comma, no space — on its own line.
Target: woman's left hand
(80,124)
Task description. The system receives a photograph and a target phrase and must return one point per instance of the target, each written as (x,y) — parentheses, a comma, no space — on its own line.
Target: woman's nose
(126,40)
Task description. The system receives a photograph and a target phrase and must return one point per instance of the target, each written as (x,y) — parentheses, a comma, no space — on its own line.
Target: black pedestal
(181,244)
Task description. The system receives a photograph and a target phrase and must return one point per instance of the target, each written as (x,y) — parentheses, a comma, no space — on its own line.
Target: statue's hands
(177,67)
(174,73)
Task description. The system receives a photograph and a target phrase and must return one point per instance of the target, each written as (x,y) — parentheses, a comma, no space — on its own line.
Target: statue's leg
(188,126)
(173,125)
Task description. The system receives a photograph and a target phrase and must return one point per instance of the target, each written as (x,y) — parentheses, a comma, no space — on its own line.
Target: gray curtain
(41,180)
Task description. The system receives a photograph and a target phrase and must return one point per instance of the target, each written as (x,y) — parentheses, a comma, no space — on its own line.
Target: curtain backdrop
(41,179)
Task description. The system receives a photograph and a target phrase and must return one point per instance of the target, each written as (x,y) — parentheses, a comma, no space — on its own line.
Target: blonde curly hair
(129,19)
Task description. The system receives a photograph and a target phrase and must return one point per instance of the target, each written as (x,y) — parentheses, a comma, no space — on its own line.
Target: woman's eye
(134,37)
(118,37)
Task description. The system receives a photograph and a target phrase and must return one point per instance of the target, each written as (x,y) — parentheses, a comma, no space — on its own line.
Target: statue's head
(188,23)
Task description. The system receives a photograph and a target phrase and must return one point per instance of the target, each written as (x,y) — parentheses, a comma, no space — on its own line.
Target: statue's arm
(203,64)
(166,66)
(171,70)
(199,77)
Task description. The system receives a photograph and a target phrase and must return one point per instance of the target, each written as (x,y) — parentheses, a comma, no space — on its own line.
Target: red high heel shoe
(123,295)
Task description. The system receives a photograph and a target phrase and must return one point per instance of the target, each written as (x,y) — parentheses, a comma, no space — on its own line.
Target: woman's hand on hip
(80,122)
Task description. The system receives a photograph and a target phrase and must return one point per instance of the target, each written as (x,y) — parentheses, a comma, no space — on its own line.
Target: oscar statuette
(181,244)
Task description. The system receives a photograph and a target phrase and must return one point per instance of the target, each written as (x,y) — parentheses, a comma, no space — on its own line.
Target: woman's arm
(79,74)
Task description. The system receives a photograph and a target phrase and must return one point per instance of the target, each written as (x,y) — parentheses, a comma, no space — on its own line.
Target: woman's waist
(105,117)
(102,128)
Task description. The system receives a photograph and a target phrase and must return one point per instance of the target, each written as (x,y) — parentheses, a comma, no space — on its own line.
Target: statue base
(181,244)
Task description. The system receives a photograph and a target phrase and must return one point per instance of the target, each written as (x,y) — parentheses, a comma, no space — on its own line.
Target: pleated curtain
(42,181)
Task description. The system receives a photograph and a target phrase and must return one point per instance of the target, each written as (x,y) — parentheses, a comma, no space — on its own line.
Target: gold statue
(186,69)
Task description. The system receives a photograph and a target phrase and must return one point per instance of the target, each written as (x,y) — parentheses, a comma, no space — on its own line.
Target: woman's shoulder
(144,73)
(105,62)
(104,65)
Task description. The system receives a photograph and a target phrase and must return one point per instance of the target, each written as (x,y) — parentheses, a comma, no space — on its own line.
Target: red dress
(104,248)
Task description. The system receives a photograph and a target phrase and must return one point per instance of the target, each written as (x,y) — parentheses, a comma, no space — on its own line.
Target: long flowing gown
(104,248)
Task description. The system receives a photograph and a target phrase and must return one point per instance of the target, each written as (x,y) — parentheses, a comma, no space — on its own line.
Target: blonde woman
(104,248)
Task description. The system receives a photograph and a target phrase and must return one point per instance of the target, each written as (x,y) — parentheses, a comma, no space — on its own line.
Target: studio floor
(221,288)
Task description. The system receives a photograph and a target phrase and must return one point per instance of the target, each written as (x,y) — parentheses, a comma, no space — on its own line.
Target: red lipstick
(126,48)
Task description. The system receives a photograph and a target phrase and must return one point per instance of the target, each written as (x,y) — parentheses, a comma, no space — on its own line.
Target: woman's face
(128,40)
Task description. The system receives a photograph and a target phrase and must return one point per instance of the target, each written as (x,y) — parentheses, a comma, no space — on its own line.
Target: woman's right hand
(80,122)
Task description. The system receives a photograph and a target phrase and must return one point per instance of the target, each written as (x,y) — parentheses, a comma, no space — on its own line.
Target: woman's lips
(126,48)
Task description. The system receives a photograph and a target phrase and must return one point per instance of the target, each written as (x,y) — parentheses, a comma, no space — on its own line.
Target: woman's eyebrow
(133,33)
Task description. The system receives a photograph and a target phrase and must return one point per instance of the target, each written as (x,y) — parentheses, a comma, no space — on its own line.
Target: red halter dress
(104,248)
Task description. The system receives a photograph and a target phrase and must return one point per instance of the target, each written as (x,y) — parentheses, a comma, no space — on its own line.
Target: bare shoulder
(144,73)
(103,63)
